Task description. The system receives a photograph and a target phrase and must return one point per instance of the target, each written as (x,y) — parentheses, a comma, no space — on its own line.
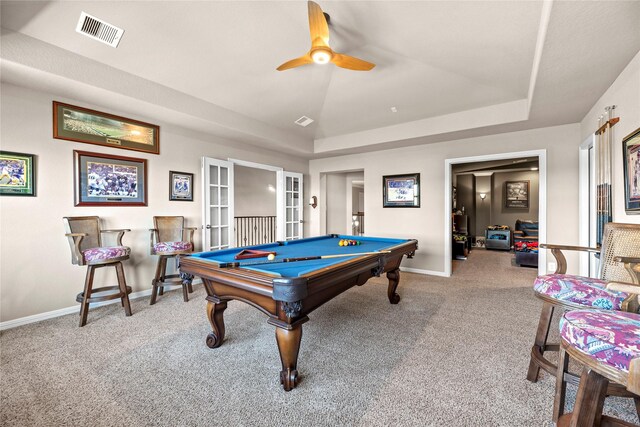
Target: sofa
(525,242)
(525,231)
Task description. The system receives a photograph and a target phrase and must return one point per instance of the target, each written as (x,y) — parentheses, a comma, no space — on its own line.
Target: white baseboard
(427,272)
(75,309)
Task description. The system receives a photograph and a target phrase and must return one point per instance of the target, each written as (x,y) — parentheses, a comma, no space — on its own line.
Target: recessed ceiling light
(394,110)
(534,169)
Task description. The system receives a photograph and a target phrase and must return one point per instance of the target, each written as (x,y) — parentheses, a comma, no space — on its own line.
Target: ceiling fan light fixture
(321,56)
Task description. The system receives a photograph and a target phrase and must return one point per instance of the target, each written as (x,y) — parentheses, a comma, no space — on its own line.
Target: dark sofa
(526,230)
(525,238)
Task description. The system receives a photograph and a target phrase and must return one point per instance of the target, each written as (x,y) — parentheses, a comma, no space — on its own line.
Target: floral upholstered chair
(616,289)
(170,239)
(607,343)
(87,248)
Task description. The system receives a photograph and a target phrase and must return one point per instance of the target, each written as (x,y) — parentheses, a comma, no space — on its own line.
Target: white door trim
(254,165)
(583,202)
(542,204)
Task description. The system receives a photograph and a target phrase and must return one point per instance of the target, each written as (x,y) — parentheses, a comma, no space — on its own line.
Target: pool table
(287,290)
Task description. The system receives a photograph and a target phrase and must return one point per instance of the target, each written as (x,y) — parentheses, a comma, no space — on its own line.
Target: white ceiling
(452,69)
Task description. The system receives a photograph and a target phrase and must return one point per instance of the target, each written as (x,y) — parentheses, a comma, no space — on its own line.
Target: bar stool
(619,258)
(168,241)
(607,343)
(85,242)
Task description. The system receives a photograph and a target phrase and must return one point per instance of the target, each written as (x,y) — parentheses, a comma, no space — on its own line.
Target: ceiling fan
(320,52)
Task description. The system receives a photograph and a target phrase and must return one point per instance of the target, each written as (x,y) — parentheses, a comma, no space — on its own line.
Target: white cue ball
(271,257)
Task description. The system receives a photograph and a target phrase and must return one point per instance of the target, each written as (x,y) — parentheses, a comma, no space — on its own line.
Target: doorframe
(279,190)
(584,216)
(542,200)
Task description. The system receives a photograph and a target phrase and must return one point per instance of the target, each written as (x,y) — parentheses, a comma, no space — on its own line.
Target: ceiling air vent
(304,121)
(99,30)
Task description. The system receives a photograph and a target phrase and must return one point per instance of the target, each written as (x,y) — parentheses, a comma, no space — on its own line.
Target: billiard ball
(271,257)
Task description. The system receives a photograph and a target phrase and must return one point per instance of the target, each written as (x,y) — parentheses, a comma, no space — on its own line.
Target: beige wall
(427,223)
(483,207)
(36,274)
(507,216)
(624,93)
(336,203)
(252,194)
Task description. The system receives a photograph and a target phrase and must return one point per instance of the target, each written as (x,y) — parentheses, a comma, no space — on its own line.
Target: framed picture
(631,156)
(401,191)
(180,186)
(17,175)
(107,180)
(516,194)
(93,127)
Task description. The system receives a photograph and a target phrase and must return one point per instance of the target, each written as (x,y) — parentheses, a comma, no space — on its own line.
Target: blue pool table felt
(312,246)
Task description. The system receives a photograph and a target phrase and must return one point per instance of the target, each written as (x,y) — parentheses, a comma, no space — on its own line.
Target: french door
(290,211)
(217,227)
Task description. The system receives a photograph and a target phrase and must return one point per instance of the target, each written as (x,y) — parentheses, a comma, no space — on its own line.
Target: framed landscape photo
(401,191)
(631,159)
(107,180)
(17,174)
(180,186)
(93,127)
(516,194)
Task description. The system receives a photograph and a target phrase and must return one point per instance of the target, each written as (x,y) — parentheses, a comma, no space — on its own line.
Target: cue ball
(271,257)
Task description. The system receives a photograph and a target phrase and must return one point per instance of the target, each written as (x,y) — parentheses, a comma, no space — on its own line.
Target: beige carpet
(454,352)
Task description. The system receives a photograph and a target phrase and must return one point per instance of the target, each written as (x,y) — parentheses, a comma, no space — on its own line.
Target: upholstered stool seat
(170,239)
(86,244)
(578,290)
(110,253)
(609,337)
(167,248)
(607,343)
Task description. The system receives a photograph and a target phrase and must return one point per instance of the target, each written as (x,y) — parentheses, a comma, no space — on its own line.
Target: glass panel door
(293,206)
(218,204)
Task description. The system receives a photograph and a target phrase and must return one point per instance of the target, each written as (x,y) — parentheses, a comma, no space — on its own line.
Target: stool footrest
(113,293)
(170,279)
(538,358)
(606,421)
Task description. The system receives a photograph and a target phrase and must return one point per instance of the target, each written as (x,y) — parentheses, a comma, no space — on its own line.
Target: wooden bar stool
(168,241)
(619,258)
(85,241)
(607,343)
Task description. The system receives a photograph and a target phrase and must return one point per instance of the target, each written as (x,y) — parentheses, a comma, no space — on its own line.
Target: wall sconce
(313,202)
(483,196)
(355,224)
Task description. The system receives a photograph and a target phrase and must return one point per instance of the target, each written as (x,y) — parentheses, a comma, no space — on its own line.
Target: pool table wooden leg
(394,279)
(215,313)
(289,346)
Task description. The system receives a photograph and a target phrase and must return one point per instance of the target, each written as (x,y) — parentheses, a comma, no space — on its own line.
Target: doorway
(343,210)
(475,196)
(247,203)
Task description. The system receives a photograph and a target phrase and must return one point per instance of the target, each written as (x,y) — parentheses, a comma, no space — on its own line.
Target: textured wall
(427,223)
(36,274)
(253,196)
(502,215)
(624,93)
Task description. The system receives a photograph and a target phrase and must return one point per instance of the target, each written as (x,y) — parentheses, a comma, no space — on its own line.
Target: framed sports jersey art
(631,156)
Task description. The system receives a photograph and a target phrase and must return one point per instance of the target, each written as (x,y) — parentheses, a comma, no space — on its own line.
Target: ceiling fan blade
(351,63)
(318,25)
(306,59)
